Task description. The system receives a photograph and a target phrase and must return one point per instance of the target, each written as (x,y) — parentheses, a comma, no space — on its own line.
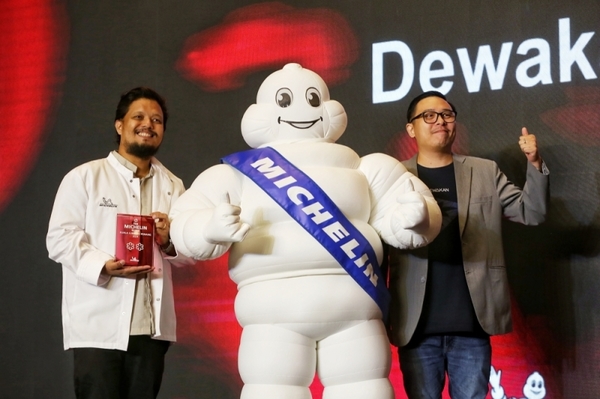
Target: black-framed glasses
(431,117)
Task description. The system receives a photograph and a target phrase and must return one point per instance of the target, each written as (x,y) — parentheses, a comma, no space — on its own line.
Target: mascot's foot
(263,391)
(371,389)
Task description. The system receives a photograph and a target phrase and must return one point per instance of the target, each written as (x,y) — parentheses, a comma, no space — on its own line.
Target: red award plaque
(135,239)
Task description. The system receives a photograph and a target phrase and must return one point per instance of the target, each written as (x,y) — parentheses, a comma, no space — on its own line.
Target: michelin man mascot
(303,219)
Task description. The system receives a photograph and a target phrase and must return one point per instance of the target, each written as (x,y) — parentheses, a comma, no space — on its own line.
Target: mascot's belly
(331,301)
(285,249)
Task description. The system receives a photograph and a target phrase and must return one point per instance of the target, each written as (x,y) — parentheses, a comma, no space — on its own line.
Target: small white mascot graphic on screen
(534,387)
(302,219)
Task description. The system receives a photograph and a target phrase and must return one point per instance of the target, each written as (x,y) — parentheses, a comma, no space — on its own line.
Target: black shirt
(448,308)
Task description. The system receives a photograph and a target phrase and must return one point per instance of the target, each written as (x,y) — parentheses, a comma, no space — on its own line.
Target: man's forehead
(143,103)
(432,102)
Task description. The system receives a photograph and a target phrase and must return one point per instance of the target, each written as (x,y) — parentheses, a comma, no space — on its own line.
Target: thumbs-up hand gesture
(528,145)
(225,224)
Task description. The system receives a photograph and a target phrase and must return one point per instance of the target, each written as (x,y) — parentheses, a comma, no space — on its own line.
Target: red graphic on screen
(266,36)
(579,119)
(33,35)
(205,296)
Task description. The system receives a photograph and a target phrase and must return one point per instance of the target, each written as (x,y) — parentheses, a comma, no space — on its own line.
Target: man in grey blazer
(448,298)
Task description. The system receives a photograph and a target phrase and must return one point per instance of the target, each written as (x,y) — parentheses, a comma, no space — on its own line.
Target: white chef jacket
(96,309)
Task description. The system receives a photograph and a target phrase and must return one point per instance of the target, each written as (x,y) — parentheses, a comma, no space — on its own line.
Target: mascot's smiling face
(285,99)
(534,387)
(293,104)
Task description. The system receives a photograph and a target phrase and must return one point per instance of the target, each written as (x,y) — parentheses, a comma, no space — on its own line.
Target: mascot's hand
(497,391)
(411,210)
(225,224)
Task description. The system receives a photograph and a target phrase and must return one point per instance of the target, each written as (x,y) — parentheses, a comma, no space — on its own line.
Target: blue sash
(310,206)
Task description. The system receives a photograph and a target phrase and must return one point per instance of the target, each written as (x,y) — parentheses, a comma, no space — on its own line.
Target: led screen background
(65,63)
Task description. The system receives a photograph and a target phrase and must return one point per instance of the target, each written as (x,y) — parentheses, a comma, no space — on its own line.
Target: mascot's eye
(284,97)
(313,97)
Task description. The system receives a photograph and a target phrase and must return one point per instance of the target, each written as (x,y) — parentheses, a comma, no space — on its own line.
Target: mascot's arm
(403,210)
(205,220)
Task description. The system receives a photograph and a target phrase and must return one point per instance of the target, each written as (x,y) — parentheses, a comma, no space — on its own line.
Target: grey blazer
(485,196)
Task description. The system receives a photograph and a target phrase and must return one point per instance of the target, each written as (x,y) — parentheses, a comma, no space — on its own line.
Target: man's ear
(410,129)
(118,126)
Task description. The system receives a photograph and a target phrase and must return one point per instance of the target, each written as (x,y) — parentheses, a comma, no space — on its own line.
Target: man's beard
(142,151)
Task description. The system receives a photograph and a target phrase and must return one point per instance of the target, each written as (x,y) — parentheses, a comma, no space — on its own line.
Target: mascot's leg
(355,363)
(275,363)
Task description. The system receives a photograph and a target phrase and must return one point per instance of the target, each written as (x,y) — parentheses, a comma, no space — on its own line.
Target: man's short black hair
(134,95)
(417,99)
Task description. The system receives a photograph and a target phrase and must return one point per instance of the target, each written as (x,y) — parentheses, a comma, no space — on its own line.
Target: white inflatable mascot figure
(303,219)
